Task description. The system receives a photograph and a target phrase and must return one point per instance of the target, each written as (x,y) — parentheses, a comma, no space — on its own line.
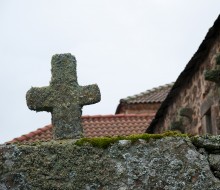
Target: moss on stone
(64,98)
(177,126)
(218,60)
(212,75)
(101,142)
(104,142)
(186,112)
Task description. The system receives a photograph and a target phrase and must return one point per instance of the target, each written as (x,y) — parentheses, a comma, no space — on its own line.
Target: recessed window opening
(208,122)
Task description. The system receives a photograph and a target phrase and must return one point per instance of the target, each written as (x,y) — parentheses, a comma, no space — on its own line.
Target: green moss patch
(104,142)
(218,60)
(212,75)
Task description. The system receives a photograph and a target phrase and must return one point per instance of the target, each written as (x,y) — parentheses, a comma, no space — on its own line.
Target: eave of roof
(97,126)
(186,75)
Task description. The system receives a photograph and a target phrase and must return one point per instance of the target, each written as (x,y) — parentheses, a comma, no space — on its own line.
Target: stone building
(192,106)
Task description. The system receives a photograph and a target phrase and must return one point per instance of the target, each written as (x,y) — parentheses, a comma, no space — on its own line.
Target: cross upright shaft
(64,98)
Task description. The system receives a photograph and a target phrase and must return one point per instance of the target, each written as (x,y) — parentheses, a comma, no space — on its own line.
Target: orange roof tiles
(150,96)
(97,126)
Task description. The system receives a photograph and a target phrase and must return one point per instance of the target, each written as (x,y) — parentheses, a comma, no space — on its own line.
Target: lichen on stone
(168,161)
(209,142)
(64,98)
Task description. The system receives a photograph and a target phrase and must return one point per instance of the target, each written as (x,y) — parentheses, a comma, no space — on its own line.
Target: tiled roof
(97,126)
(187,74)
(149,96)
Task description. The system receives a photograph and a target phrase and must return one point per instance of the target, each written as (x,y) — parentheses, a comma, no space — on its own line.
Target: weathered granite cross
(64,98)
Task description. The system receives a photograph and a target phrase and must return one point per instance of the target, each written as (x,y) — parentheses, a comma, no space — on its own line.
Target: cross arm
(89,94)
(39,99)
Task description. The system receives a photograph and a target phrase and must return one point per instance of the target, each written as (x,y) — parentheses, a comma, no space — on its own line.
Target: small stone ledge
(210,143)
(104,142)
(210,147)
(213,76)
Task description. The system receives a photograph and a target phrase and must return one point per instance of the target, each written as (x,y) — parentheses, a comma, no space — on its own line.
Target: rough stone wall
(197,94)
(171,163)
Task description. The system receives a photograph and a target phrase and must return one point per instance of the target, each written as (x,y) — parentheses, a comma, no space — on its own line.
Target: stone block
(166,163)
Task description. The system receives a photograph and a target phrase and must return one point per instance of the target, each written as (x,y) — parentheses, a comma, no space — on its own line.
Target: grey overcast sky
(125,46)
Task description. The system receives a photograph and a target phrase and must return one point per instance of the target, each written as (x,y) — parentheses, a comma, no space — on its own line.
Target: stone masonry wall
(169,163)
(194,96)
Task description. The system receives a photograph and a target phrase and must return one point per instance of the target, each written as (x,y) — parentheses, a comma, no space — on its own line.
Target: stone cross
(64,98)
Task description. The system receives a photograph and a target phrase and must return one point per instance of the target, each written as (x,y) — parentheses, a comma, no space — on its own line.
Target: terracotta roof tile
(150,96)
(97,126)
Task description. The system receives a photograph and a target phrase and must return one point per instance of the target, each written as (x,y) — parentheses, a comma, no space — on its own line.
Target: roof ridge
(116,115)
(148,91)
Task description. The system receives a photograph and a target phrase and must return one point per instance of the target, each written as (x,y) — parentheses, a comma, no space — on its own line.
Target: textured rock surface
(64,98)
(167,163)
(210,143)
